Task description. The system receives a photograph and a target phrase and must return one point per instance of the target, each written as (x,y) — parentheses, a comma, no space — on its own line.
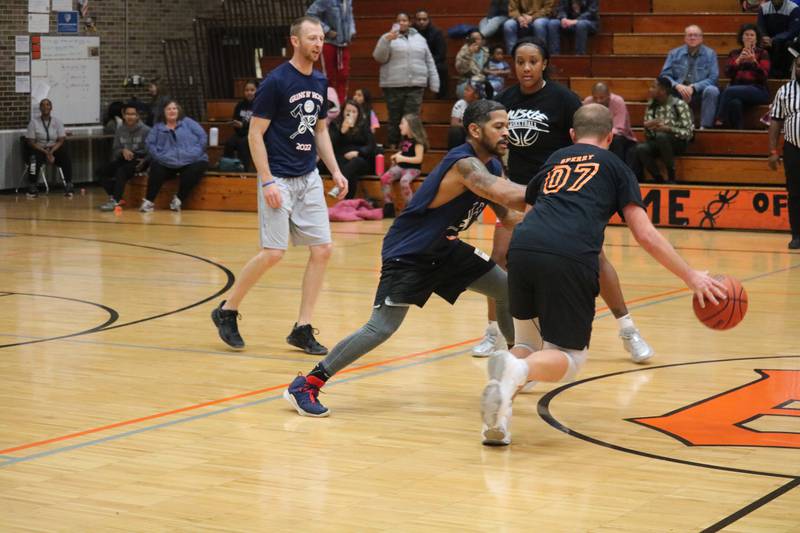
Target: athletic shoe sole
(491,403)
(218,322)
(289,398)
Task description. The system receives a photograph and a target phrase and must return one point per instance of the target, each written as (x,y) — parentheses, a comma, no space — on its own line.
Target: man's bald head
(592,121)
(600,93)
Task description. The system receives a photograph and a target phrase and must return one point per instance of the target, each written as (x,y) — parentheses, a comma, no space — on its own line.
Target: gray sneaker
(175,204)
(492,340)
(147,206)
(109,205)
(635,345)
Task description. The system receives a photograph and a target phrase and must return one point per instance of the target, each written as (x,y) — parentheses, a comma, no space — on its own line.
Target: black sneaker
(303,338)
(228,329)
(68,189)
(33,192)
(794,244)
(388,210)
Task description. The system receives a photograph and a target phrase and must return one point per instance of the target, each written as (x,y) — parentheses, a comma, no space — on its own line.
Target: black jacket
(436,44)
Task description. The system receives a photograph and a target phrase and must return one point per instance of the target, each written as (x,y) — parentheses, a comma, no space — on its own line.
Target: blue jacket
(335,17)
(706,67)
(183,146)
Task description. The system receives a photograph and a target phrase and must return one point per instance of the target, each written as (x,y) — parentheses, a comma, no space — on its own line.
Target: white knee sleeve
(575,360)
(527,335)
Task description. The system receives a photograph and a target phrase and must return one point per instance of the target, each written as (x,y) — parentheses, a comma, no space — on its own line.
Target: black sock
(319,372)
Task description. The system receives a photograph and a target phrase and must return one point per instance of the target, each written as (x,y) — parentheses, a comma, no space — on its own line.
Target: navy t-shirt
(578,189)
(293,102)
(420,232)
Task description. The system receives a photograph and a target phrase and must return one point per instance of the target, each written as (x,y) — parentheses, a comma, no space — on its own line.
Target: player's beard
(498,149)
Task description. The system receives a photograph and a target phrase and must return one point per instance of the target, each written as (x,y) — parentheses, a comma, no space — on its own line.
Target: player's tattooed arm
(478,179)
(508,217)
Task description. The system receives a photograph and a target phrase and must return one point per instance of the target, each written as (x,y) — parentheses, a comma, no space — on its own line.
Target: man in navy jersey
(422,253)
(289,122)
(553,268)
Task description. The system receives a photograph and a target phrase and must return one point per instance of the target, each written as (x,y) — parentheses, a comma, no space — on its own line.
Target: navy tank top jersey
(421,233)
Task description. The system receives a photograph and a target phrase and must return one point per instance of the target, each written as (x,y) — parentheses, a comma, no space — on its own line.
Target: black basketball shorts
(557,290)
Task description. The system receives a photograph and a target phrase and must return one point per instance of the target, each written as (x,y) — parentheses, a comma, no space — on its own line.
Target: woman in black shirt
(540,115)
(353,144)
(237,143)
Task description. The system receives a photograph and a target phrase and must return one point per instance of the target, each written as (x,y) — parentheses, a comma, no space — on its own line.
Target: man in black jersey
(553,267)
(422,253)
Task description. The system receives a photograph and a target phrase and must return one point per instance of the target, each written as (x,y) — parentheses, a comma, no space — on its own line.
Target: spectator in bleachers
(526,18)
(497,69)
(45,136)
(473,91)
(157,102)
(624,139)
(573,16)
(353,145)
(779,22)
(113,117)
(668,128)
(470,61)
(407,67)
(494,19)
(333,105)
(364,98)
(339,26)
(177,146)
(406,163)
(437,44)
(128,156)
(693,71)
(747,69)
(237,144)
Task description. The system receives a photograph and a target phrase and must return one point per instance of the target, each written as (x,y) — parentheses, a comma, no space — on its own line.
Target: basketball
(729,312)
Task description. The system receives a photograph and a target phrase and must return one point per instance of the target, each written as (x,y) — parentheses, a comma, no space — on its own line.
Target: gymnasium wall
(149,21)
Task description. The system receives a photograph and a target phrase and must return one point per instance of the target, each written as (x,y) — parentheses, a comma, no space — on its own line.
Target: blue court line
(385,370)
(6,457)
(359,377)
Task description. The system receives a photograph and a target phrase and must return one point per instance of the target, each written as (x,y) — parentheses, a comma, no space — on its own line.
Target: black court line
(744,511)
(229,283)
(113,316)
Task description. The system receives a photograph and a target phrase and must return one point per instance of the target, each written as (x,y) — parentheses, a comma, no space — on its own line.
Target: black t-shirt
(578,189)
(243,113)
(538,125)
(408,148)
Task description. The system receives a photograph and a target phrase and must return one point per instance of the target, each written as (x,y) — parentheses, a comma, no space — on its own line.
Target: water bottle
(379,163)
(333,193)
(213,137)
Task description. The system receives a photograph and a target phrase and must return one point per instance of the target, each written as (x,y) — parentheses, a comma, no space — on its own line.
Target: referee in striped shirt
(785,113)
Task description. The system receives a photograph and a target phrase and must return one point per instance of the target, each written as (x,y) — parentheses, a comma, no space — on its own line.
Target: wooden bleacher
(627,54)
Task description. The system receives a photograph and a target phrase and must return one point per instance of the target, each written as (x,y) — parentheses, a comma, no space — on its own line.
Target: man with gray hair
(693,71)
(553,267)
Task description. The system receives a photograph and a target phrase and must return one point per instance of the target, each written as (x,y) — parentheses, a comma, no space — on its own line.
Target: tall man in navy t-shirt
(289,121)
(422,254)
(553,268)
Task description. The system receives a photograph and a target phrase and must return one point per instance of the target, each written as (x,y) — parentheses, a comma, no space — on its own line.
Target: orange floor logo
(731,418)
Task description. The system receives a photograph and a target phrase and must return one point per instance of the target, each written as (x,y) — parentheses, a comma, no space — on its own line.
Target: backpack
(230,164)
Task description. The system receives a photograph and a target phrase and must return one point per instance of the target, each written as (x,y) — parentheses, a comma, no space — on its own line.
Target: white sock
(493,326)
(625,322)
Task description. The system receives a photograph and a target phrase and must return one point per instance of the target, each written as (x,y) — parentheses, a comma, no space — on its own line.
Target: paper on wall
(22,44)
(22,84)
(22,63)
(38,68)
(38,6)
(38,23)
(62,5)
(40,90)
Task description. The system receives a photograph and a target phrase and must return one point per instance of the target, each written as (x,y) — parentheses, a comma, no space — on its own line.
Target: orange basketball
(729,312)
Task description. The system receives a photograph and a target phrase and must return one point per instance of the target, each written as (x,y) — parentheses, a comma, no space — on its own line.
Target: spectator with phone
(779,22)
(407,67)
(748,69)
(470,61)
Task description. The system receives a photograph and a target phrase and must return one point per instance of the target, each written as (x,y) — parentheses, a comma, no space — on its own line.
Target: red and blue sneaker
(303,394)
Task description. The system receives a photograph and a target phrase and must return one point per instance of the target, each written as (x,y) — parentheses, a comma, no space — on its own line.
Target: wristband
(267,183)
(773,152)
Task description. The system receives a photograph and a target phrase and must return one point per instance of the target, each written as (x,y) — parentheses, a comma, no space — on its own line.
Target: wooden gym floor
(122,410)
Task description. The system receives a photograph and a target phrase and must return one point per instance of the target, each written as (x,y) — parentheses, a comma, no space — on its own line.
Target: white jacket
(406,62)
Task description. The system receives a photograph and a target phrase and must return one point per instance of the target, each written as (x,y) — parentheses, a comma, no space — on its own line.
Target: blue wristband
(267,183)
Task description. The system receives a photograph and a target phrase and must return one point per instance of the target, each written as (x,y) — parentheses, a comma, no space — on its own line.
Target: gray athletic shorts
(303,214)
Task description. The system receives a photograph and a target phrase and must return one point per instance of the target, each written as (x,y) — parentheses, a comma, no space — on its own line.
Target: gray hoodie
(406,62)
(130,138)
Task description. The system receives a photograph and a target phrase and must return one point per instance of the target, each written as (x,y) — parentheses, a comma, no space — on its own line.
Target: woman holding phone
(407,67)
(747,69)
